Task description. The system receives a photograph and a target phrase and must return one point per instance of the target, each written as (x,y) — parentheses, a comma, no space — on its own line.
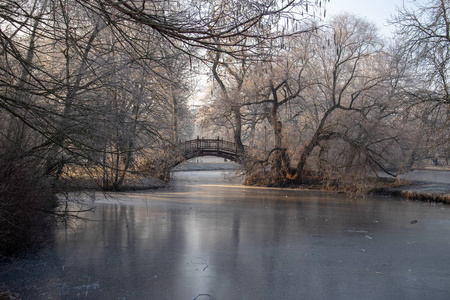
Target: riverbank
(431,184)
(423,191)
(425,184)
(129,184)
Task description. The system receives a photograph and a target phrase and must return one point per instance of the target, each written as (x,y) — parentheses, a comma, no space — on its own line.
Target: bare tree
(351,70)
(423,35)
(208,24)
(283,80)
(76,83)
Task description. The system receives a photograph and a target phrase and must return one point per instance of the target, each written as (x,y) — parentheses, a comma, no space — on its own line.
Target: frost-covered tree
(423,47)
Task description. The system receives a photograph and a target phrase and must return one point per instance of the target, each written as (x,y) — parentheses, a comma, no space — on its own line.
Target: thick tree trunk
(308,149)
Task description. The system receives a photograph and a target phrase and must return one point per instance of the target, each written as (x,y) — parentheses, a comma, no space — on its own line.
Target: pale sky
(376,11)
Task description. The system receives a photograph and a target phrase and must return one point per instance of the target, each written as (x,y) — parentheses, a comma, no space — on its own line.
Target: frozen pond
(210,238)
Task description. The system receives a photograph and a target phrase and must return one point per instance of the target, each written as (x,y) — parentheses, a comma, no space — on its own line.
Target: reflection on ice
(206,235)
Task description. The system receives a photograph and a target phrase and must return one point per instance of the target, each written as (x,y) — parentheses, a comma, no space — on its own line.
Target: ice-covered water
(208,237)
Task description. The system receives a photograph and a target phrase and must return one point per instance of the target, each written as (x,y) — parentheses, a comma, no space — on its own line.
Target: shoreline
(417,190)
(427,191)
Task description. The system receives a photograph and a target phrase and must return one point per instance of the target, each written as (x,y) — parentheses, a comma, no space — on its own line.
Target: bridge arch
(209,147)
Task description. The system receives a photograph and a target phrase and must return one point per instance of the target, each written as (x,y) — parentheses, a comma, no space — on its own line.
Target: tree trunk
(308,149)
(174,115)
(238,129)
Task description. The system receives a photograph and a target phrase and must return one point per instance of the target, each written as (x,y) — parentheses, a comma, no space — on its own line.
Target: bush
(26,197)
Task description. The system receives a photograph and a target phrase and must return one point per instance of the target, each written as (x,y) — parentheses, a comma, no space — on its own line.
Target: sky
(376,11)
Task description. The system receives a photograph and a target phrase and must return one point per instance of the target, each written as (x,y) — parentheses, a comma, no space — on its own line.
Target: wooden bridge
(209,147)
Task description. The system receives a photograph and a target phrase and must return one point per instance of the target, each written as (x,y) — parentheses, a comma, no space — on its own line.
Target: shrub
(26,197)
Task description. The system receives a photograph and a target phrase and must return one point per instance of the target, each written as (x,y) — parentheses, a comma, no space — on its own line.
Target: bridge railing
(208,144)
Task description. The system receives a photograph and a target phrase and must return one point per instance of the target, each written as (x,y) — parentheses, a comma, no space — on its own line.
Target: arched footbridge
(209,147)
